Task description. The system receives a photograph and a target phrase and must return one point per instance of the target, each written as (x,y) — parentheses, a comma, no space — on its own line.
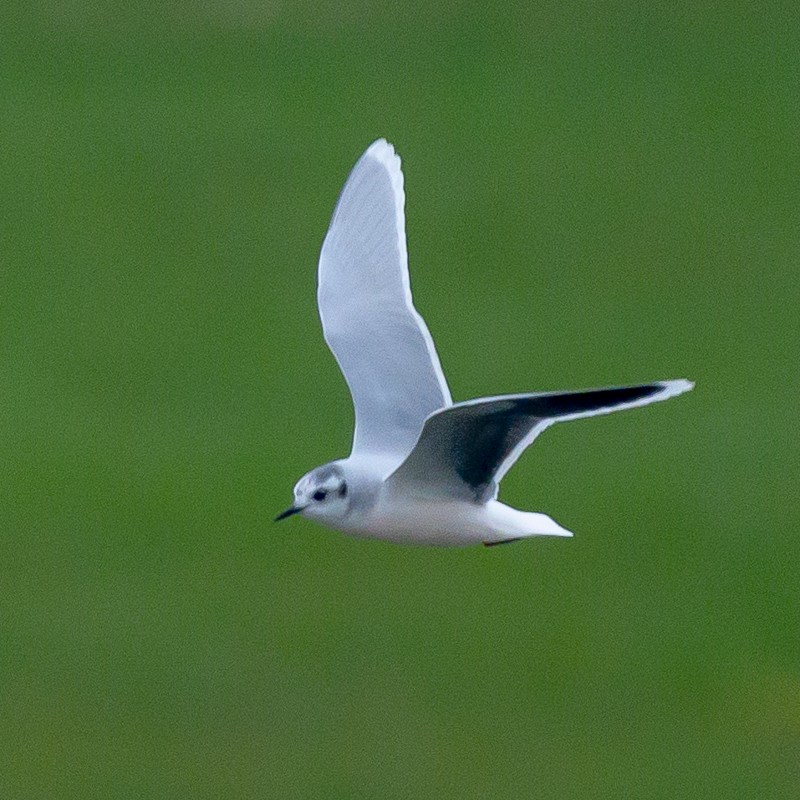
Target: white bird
(422,469)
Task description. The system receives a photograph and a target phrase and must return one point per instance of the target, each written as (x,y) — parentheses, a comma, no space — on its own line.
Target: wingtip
(380,145)
(383,151)
(676,387)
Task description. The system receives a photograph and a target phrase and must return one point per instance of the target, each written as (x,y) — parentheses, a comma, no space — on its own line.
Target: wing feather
(378,338)
(466,449)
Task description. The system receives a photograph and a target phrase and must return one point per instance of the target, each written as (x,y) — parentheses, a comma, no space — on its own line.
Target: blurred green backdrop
(597,194)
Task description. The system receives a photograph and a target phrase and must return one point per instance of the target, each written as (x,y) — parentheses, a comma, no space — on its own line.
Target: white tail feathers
(510,523)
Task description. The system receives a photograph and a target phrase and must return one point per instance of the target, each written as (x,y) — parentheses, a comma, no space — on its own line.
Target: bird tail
(510,523)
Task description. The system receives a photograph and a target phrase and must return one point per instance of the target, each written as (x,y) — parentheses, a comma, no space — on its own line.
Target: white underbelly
(447,524)
(450,524)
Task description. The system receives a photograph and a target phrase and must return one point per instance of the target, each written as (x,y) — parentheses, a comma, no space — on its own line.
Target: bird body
(377,508)
(422,469)
(452,523)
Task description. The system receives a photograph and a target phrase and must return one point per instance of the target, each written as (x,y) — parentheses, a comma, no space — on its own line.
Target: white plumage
(422,470)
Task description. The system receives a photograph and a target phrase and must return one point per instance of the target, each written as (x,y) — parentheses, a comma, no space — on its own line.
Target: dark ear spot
(343,490)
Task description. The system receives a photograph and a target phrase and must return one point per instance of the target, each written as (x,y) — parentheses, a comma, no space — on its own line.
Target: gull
(422,469)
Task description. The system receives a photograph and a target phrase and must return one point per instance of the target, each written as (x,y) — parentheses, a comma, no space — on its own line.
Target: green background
(597,194)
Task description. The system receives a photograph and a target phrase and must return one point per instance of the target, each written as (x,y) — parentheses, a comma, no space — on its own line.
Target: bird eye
(319,495)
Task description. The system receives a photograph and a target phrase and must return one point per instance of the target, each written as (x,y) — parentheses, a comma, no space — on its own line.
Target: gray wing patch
(465,449)
(477,440)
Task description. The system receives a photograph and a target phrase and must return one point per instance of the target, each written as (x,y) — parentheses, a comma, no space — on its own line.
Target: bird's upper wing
(465,450)
(379,340)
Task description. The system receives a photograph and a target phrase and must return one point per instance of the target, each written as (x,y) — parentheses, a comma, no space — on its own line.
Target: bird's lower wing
(464,450)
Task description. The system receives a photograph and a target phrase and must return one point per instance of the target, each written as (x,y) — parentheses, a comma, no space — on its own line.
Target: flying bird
(422,469)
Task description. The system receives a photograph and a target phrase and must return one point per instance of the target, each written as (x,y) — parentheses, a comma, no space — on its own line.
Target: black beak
(287,513)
